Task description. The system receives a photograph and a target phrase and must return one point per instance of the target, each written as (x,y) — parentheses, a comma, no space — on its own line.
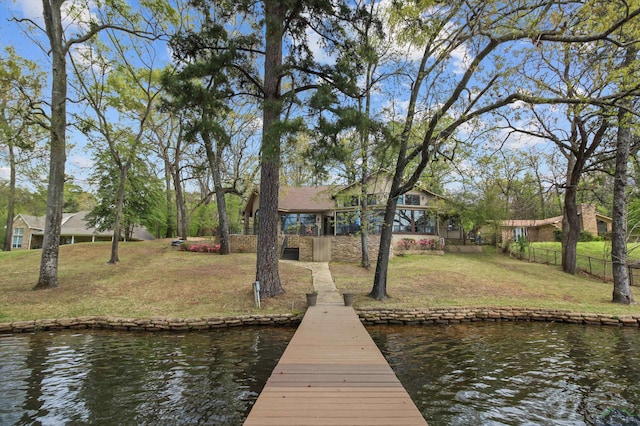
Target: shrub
(557,235)
(200,248)
(586,236)
(407,244)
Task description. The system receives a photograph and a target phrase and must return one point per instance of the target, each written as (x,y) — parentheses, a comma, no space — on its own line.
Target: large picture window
(298,224)
(289,224)
(414,221)
(347,223)
(308,224)
(18,233)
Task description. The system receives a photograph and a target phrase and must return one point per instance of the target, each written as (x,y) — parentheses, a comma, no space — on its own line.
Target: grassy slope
(595,249)
(153,279)
(481,280)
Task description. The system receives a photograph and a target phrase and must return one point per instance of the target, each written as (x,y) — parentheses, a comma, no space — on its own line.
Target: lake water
(116,378)
(517,373)
(470,374)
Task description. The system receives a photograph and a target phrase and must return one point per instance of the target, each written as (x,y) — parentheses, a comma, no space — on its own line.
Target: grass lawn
(151,280)
(487,279)
(593,257)
(155,280)
(595,249)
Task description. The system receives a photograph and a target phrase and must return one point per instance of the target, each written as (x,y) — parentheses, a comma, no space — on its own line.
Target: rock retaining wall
(147,324)
(454,315)
(368,316)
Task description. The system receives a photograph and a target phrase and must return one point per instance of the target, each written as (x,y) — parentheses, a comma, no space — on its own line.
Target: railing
(593,266)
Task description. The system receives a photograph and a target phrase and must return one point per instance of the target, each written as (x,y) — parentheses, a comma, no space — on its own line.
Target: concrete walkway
(322,282)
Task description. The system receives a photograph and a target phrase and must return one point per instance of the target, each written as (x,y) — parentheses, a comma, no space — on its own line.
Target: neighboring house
(28,231)
(545,229)
(335,210)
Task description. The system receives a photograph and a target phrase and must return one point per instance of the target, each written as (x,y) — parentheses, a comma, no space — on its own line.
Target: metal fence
(593,266)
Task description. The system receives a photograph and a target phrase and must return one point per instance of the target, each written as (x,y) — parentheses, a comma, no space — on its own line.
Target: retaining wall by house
(343,247)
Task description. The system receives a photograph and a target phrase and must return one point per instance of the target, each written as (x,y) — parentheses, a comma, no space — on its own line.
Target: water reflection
(132,378)
(515,373)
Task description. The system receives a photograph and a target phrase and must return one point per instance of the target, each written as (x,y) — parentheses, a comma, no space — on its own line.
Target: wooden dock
(332,373)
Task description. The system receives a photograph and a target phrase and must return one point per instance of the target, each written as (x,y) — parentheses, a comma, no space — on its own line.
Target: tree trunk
(365,261)
(570,232)
(570,219)
(379,289)
(267,256)
(55,190)
(170,205)
(11,202)
(214,164)
(181,211)
(117,223)
(621,289)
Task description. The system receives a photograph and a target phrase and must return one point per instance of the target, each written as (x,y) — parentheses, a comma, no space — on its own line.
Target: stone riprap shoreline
(368,316)
(457,315)
(148,324)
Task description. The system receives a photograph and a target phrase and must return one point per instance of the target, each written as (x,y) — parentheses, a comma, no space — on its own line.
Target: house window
(289,224)
(414,221)
(518,233)
(298,224)
(376,220)
(308,224)
(17,238)
(412,200)
(347,223)
(372,199)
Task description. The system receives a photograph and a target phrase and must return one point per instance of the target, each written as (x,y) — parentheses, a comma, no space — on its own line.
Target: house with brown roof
(28,231)
(545,229)
(335,210)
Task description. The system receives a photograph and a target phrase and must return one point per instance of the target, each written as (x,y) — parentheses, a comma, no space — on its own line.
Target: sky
(79,162)
(12,33)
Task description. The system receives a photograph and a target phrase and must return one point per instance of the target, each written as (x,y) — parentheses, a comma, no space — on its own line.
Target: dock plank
(332,373)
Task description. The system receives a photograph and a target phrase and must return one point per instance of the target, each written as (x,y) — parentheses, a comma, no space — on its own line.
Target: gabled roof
(75,224)
(33,222)
(307,198)
(388,175)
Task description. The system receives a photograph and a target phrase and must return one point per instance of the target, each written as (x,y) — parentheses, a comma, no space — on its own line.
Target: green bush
(586,236)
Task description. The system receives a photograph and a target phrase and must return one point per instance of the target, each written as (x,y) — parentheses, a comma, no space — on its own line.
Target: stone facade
(243,243)
(343,247)
(588,220)
(19,223)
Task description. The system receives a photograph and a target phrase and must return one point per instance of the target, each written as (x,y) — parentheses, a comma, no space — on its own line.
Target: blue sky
(13,33)
(79,159)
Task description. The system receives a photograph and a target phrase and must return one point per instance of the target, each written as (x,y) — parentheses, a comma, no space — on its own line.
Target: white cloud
(74,14)
(461,59)
(4,172)
(319,52)
(81,162)
(518,105)
(31,9)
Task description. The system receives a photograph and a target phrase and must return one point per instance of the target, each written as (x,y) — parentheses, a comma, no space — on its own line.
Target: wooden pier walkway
(332,373)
